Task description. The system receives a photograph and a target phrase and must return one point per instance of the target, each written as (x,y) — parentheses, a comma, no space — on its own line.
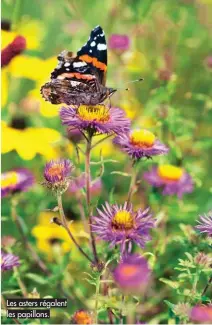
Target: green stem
(16,14)
(88,194)
(132,183)
(207,286)
(65,225)
(25,241)
(97,300)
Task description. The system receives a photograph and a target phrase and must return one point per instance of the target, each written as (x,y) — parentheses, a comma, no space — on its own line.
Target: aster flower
(17,46)
(8,261)
(14,181)
(79,183)
(57,174)
(132,274)
(119,42)
(174,180)
(140,143)
(202,314)
(118,224)
(97,119)
(82,317)
(205,224)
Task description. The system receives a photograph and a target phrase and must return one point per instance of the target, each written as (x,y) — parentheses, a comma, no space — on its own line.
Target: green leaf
(36,278)
(120,173)
(169,304)
(172,284)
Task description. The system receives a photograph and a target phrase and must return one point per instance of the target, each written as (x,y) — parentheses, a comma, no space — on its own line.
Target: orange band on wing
(76,75)
(94,61)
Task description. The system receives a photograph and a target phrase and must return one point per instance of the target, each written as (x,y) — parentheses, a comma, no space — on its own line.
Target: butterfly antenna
(131,81)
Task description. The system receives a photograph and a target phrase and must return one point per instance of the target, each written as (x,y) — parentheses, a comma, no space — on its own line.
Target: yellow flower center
(99,113)
(82,317)
(170,172)
(56,170)
(122,220)
(129,270)
(9,179)
(142,138)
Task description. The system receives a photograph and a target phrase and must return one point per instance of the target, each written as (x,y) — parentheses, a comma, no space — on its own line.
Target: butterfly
(80,80)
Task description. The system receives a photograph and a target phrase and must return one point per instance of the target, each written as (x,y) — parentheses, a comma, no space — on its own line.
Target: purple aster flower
(205,224)
(57,175)
(174,180)
(132,274)
(99,118)
(119,42)
(18,180)
(140,143)
(8,261)
(118,224)
(202,314)
(79,183)
(74,135)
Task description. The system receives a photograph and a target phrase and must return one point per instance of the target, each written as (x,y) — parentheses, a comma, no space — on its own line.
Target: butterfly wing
(94,53)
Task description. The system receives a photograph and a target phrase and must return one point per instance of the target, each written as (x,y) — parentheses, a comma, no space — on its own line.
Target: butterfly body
(80,80)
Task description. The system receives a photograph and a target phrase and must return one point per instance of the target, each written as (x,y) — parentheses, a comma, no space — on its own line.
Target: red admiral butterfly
(80,79)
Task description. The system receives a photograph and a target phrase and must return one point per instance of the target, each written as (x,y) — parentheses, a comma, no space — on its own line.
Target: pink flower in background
(208,61)
(119,42)
(202,314)
(79,183)
(132,274)
(13,49)
(205,224)
(8,261)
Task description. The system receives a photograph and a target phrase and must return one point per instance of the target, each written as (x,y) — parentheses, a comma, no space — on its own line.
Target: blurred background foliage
(170,47)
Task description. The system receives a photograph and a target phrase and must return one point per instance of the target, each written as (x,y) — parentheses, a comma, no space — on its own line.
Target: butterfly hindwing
(94,52)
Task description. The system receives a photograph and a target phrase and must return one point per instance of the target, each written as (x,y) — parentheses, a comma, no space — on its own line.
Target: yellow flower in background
(4,87)
(25,66)
(136,61)
(146,122)
(30,141)
(50,236)
(32,30)
(131,106)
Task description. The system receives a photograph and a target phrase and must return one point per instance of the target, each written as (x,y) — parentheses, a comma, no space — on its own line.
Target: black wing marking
(96,48)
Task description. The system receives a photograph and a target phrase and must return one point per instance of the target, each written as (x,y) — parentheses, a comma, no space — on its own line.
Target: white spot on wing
(101,47)
(67,69)
(103,34)
(75,83)
(90,51)
(79,64)
(67,64)
(93,43)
